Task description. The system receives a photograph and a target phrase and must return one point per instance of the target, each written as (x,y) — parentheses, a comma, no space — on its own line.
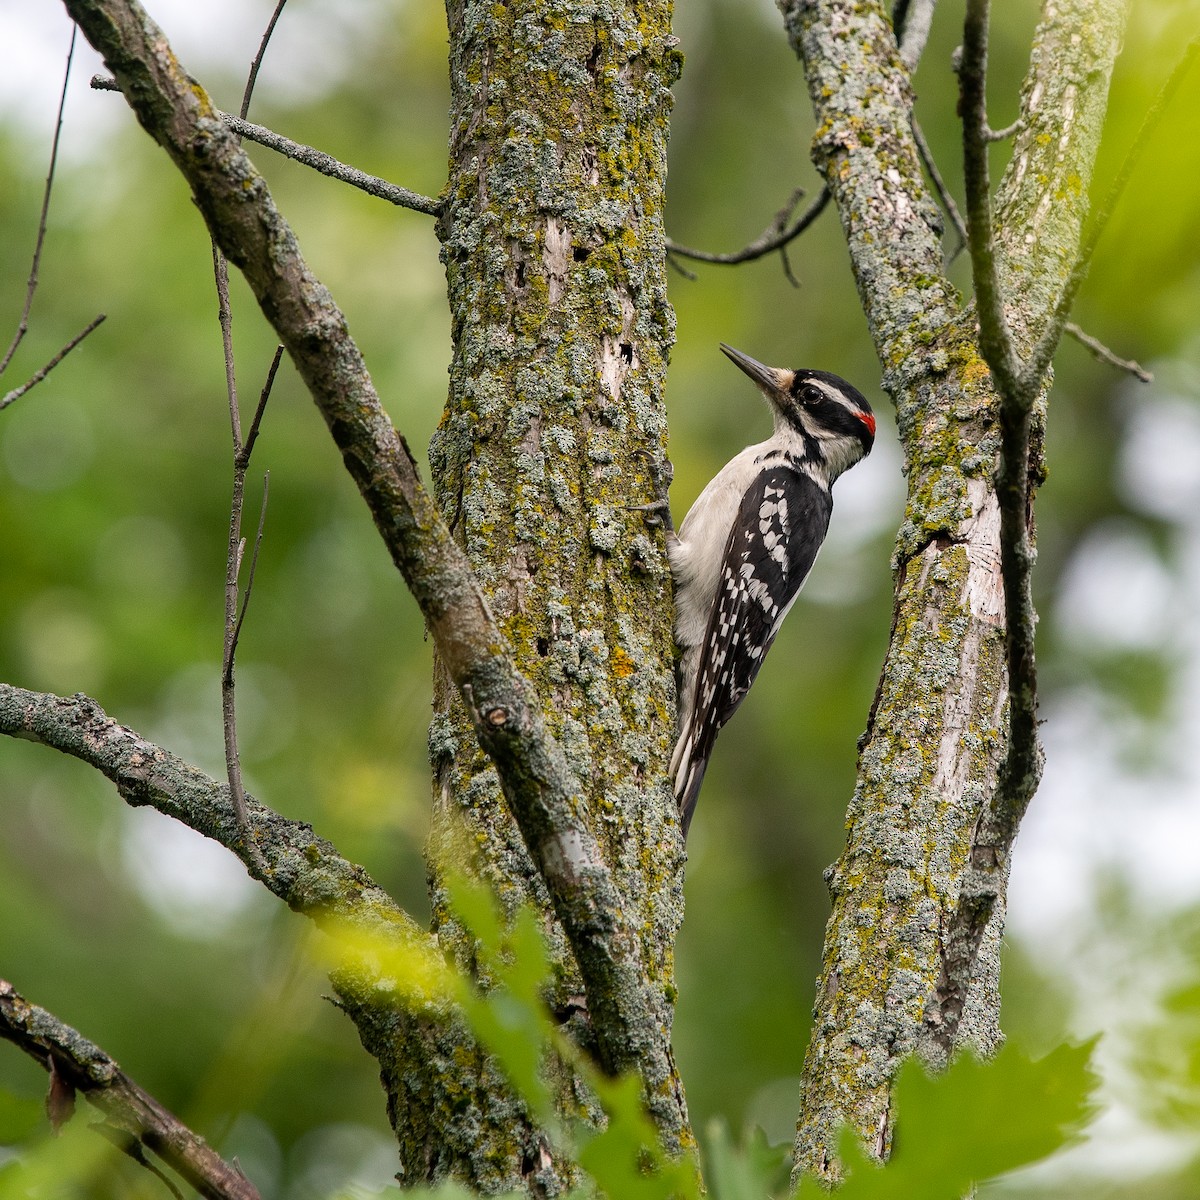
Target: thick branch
(305,871)
(133,1118)
(545,798)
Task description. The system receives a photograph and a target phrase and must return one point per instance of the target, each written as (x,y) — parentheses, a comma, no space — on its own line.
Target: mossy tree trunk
(907,892)
(552,238)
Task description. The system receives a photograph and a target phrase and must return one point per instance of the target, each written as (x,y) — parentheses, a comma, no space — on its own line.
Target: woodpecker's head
(831,415)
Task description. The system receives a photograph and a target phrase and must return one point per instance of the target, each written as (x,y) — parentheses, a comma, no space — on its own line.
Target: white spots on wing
(773,525)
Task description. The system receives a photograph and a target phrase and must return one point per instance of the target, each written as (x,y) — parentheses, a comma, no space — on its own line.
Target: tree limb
(545,797)
(306,872)
(775,237)
(318,160)
(134,1118)
(1064,101)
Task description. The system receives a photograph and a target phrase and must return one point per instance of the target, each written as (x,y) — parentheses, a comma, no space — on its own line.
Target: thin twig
(262,518)
(264,396)
(31,286)
(252,78)
(80,1065)
(233,564)
(1105,355)
(944,194)
(41,374)
(1002,135)
(235,614)
(318,160)
(776,235)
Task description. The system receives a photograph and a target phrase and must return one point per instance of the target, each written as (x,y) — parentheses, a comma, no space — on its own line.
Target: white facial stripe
(832,393)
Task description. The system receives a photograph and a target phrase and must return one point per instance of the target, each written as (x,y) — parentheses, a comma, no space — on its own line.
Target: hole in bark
(519,276)
(543,646)
(593,60)
(627,352)
(580,253)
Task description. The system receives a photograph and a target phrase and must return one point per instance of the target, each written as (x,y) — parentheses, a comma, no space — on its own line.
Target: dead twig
(775,237)
(1105,355)
(31,286)
(235,614)
(42,372)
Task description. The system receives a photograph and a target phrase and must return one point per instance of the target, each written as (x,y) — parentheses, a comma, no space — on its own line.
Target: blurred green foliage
(114,492)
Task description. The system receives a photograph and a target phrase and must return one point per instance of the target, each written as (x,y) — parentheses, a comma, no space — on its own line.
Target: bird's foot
(658,511)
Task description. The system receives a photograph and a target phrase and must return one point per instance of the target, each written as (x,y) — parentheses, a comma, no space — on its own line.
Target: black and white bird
(746,547)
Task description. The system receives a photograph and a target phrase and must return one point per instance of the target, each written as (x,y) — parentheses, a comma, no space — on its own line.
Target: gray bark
(937,731)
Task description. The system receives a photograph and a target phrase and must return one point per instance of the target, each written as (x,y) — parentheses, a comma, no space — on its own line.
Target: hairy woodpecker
(747,545)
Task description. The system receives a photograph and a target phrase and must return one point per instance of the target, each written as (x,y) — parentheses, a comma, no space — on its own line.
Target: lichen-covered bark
(936,734)
(554,252)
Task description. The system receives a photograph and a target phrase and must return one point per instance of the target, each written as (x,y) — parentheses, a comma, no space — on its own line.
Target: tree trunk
(553,244)
(937,731)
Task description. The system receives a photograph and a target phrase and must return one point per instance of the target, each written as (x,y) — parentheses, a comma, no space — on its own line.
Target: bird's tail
(687,774)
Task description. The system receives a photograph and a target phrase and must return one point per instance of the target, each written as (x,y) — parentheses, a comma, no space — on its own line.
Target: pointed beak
(770,378)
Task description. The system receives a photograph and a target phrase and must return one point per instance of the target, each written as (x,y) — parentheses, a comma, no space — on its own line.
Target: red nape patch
(868,419)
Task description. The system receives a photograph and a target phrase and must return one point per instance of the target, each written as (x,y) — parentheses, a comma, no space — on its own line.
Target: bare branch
(318,160)
(41,374)
(1105,355)
(234,616)
(264,396)
(233,564)
(252,78)
(775,237)
(258,537)
(134,1119)
(306,872)
(31,286)
(944,195)
(995,339)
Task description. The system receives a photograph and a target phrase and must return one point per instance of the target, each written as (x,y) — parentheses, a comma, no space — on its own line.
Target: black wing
(772,545)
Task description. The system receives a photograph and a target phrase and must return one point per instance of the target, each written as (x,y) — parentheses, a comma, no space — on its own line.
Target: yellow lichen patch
(622,665)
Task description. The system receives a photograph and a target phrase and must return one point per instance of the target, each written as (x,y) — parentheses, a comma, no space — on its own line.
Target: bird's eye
(809,394)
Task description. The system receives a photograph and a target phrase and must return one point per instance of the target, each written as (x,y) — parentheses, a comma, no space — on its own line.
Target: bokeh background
(114,494)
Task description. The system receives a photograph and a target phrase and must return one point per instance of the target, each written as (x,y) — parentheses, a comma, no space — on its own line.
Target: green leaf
(754,1171)
(973,1122)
